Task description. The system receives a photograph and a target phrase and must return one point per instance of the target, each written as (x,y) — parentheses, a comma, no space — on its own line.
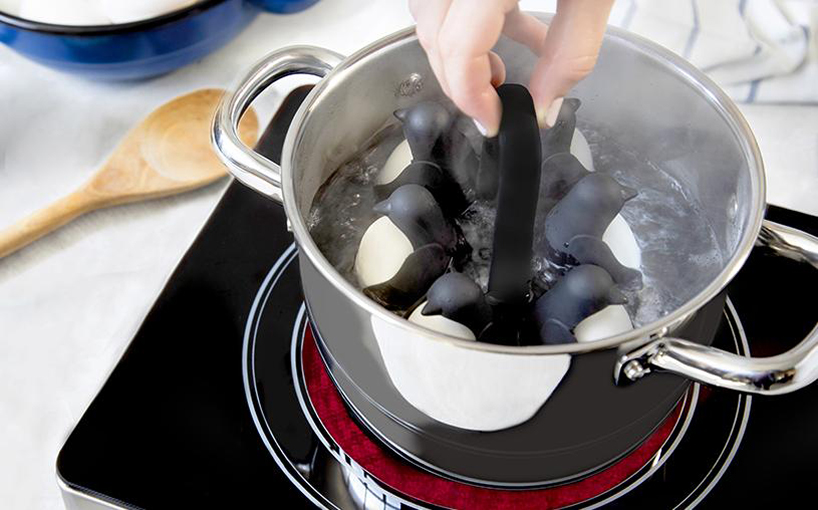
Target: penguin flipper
(413,279)
(554,332)
(440,184)
(592,250)
(560,172)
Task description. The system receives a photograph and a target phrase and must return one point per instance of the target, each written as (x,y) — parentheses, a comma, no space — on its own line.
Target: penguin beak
(431,309)
(401,114)
(616,296)
(383,208)
(628,193)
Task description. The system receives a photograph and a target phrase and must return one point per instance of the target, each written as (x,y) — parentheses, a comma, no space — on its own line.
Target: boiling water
(680,254)
(680,251)
(342,209)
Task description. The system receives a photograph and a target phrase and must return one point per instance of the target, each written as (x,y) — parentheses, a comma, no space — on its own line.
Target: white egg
(619,237)
(441,324)
(609,321)
(64,12)
(581,150)
(126,11)
(382,251)
(397,161)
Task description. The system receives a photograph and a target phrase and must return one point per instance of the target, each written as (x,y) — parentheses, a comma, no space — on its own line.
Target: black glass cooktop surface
(171,426)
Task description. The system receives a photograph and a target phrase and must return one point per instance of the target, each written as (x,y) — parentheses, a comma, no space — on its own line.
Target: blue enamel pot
(139,49)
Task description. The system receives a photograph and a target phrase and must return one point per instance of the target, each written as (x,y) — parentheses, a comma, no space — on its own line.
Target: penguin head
(451,293)
(558,137)
(593,287)
(457,298)
(588,208)
(416,274)
(414,210)
(409,201)
(560,173)
(424,126)
(603,192)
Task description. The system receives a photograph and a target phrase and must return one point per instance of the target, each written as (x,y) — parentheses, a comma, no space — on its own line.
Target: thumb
(569,53)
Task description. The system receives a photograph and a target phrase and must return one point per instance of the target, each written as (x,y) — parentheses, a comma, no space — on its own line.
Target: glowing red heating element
(405,478)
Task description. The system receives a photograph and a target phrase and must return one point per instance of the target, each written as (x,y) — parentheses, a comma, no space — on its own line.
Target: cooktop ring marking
(248,358)
(251,330)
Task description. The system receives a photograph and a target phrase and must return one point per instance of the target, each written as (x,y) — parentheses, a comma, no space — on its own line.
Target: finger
(436,62)
(498,69)
(525,29)
(429,16)
(570,52)
(465,41)
(471,90)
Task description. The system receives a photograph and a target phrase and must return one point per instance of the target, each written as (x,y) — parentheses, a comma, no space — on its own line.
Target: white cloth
(763,51)
(70,303)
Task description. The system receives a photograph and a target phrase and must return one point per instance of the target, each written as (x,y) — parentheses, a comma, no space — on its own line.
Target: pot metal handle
(246,165)
(774,375)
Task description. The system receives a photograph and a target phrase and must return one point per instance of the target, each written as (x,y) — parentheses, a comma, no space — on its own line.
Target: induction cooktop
(188,419)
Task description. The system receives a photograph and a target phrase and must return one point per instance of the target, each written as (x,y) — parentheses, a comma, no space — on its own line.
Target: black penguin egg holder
(445,176)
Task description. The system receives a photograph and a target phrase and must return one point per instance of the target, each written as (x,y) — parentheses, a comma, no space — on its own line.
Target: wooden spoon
(168,152)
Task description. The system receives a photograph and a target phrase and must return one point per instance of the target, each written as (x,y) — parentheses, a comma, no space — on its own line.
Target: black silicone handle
(518,155)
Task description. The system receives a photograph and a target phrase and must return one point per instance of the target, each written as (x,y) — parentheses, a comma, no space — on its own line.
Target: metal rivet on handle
(634,370)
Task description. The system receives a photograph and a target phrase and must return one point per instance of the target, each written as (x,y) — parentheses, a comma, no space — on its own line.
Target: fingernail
(480,127)
(553,112)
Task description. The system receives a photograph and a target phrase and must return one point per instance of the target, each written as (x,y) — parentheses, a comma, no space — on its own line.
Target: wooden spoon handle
(44,221)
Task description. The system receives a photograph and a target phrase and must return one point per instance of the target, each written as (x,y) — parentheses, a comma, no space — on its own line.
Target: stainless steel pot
(683,120)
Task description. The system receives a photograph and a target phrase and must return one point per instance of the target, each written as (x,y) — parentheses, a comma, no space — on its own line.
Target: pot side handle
(774,375)
(246,165)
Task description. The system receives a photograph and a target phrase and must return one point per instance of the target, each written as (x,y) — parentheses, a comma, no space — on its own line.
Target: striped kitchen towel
(763,51)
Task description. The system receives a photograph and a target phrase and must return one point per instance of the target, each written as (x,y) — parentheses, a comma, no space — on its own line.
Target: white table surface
(70,303)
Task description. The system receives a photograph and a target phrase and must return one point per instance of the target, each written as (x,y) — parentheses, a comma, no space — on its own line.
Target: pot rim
(656,329)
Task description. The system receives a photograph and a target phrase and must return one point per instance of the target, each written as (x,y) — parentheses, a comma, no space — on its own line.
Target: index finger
(570,51)
(429,17)
(468,33)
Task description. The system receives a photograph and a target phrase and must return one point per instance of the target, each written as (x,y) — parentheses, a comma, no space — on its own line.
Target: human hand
(458,35)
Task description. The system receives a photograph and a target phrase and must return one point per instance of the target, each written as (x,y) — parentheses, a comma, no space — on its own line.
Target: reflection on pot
(466,388)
